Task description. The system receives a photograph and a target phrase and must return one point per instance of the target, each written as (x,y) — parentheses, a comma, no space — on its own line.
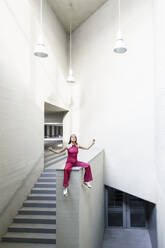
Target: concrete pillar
(67,210)
(53,131)
(80,216)
(48,130)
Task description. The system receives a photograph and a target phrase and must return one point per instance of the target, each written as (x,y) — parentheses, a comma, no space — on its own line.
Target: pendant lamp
(40,49)
(120,46)
(70,78)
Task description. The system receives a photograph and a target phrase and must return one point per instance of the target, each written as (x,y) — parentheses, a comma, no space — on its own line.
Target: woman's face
(73,138)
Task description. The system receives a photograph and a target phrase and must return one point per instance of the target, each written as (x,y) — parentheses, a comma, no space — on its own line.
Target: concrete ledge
(73,168)
(80,216)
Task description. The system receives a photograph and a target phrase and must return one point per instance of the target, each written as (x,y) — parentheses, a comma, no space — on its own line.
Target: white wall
(159,52)
(117,104)
(112,101)
(25,83)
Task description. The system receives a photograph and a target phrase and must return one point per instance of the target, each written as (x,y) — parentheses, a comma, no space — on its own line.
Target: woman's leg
(88,174)
(67,171)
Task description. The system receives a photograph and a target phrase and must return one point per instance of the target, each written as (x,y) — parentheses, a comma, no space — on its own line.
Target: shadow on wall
(152,223)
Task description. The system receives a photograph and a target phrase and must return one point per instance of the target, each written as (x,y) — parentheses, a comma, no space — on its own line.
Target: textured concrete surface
(121,121)
(126,238)
(82,9)
(80,216)
(24,88)
(92,207)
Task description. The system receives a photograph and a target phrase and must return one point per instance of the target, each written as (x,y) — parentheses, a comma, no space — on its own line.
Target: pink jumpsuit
(72,161)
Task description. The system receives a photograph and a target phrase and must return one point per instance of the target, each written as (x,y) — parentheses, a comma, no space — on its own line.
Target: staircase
(36,220)
(51,158)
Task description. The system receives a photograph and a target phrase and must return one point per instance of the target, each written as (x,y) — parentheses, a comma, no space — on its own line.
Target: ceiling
(49,108)
(77,10)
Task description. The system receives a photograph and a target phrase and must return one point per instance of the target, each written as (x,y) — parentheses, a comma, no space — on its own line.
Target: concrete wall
(159,76)
(92,207)
(151,213)
(117,101)
(80,216)
(55,117)
(125,94)
(25,83)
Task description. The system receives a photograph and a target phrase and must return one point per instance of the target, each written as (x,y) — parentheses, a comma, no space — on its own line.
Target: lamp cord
(119,14)
(70,46)
(41,21)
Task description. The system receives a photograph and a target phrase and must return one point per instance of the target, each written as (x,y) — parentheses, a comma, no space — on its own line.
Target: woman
(72,148)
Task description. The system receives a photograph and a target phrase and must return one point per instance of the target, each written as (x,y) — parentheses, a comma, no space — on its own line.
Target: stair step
(43,190)
(46,238)
(31,227)
(39,203)
(49,162)
(53,157)
(48,170)
(6,244)
(47,174)
(35,210)
(41,197)
(45,185)
(43,219)
(37,217)
(52,154)
(46,179)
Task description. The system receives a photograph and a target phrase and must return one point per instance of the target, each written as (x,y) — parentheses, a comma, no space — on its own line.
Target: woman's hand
(50,148)
(93,142)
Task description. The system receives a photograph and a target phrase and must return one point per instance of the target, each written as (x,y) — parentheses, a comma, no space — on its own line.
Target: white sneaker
(65,191)
(87,184)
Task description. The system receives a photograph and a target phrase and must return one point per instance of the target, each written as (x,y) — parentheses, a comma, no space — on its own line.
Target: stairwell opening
(53,133)
(126,211)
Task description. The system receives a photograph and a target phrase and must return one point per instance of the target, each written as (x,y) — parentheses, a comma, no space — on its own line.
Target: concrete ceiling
(77,10)
(50,109)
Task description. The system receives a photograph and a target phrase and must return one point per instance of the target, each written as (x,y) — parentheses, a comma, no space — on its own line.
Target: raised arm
(87,148)
(57,151)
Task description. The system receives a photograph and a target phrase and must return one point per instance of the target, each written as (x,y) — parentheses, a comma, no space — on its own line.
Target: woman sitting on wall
(72,148)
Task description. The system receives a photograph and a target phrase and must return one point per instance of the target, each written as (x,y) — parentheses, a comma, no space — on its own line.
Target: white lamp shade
(70,78)
(120,46)
(40,49)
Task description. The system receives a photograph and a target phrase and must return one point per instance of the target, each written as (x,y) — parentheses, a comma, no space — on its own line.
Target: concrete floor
(126,238)
(113,238)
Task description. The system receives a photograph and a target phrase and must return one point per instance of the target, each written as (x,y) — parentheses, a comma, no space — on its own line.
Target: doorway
(124,210)
(53,133)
